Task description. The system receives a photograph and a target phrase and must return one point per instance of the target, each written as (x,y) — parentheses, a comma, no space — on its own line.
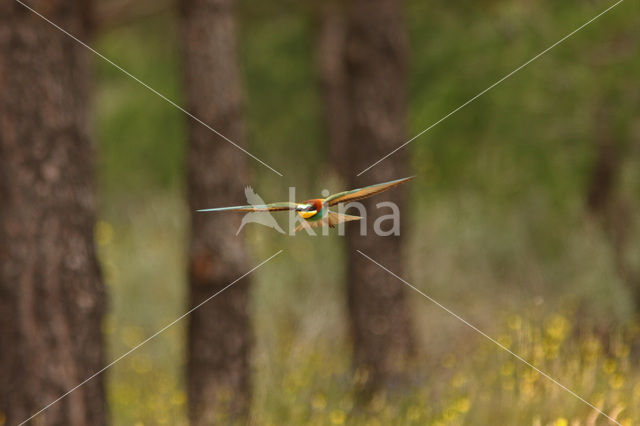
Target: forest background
(523,218)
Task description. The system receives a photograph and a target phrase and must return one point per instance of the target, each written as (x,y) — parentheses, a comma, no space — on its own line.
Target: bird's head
(307,210)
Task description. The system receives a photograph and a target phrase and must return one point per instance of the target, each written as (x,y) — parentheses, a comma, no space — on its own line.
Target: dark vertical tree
(220,336)
(330,23)
(613,138)
(362,59)
(602,198)
(51,295)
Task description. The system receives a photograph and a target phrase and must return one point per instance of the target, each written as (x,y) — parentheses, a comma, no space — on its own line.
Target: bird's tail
(332,220)
(337,218)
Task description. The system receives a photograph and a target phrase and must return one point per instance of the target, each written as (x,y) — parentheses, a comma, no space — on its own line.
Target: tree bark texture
(365,107)
(602,200)
(331,29)
(51,295)
(220,335)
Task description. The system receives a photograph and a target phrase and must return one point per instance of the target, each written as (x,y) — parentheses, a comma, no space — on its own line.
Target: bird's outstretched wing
(273,207)
(360,193)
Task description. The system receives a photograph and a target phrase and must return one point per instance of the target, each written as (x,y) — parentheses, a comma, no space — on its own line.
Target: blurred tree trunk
(606,167)
(330,23)
(51,295)
(362,60)
(220,335)
(604,204)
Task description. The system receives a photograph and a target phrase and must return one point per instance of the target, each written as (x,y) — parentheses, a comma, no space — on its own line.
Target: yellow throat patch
(307,215)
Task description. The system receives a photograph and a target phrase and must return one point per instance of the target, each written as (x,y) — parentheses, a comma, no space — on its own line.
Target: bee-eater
(316,211)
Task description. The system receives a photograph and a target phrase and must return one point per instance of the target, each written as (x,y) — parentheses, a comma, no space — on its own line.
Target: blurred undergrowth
(499,229)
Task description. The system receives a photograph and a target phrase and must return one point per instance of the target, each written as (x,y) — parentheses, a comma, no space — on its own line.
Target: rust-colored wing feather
(360,193)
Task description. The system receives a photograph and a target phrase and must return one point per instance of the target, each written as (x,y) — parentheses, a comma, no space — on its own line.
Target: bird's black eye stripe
(310,208)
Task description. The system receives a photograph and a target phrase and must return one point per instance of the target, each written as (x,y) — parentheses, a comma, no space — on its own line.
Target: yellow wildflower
(507,369)
(514,322)
(505,340)
(609,366)
(463,405)
(319,402)
(558,327)
(338,417)
(616,381)
(413,413)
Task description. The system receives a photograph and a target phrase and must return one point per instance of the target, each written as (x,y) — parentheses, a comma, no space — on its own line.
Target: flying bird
(316,211)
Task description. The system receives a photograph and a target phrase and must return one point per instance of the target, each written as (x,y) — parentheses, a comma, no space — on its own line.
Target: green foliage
(535,131)
(141,137)
(283,102)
